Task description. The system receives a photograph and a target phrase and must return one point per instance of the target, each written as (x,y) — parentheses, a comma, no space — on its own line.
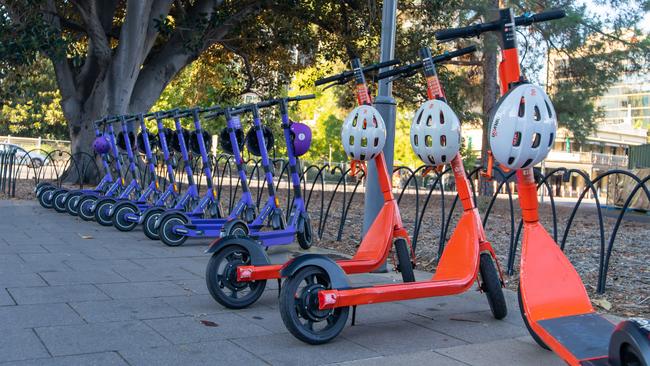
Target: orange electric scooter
(237,272)
(316,295)
(553,301)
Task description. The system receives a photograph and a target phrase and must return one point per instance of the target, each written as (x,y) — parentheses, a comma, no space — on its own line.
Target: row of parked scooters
(316,293)
(169,216)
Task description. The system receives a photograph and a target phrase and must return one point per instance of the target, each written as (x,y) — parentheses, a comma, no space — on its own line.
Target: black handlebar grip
(301,97)
(462,32)
(549,15)
(453,54)
(328,79)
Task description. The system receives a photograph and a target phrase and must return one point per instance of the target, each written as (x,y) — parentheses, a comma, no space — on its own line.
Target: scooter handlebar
(477,29)
(344,76)
(446,56)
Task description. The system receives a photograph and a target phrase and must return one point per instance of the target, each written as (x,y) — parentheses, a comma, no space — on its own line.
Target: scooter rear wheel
(72,203)
(149,223)
(119,216)
(532,333)
(221,278)
(59,198)
(299,307)
(102,209)
(491,286)
(83,207)
(404,263)
(45,196)
(235,228)
(166,232)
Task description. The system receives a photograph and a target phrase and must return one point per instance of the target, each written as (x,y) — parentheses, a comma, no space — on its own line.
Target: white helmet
(435,133)
(363,133)
(523,126)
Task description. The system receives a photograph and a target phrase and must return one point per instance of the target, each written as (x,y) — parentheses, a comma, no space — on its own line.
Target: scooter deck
(586,336)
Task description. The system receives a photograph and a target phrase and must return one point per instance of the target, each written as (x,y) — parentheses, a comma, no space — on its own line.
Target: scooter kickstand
(279,286)
(354,315)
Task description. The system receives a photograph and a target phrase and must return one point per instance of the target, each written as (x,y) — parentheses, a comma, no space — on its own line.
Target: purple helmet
(101,145)
(301,136)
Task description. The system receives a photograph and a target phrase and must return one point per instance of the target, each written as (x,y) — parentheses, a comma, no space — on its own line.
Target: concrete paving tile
(22,249)
(505,352)
(118,310)
(284,349)
(10,259)
(473,327)
(265,317)
(194,304)
(189,329)
(38,315)
(98,337)
(5,299)
(53,257)
(410,358)
(116,253)
(20,344)
(103,264)
(208,353)
(133,290)
(197,286)
(144,275)
(82,277)
(94,359)
(394,337)
(10,278)
(468,302)
(56,294)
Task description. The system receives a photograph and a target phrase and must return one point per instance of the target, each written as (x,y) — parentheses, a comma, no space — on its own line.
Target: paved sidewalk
(76,293)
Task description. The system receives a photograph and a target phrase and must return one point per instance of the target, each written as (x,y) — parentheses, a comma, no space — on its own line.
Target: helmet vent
(428,140)
(516,139)
(444,158)
(365,124)
(537,115)
(536,140)
(376,141)
(351,140)
(548,108)
(432,160)
(415,140)
(527,163)
(511,160)
(362,157)
(419,117)
(364,141)
(522,107)
(550,139)
(443,140)
(429,120)
(354,122)
(374,122)
(442,118)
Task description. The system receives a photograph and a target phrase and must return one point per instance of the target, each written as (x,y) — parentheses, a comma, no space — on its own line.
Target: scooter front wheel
(235,228)
(119,216)
(304,232)
(84,207)
(166,229)
(299,307)
(59,198)
(532,333)
(45,196)
(102,211)
(491,286)
(221,278)
(149,223)
(72,203)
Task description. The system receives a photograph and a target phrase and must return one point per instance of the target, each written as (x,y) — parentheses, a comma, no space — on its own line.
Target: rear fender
(338,278)
(256,252)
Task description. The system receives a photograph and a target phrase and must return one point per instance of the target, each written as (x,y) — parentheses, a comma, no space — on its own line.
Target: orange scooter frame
(373,251)
(326,296)
(553,301)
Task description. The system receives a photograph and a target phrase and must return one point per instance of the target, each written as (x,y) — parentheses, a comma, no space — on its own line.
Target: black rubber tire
(232,256)
(41,185)
(119,211)
(83,207)
(101,211)
(165,232)
(404,264)
(532,333)
(235,228)
(45,197)
(72,203)
(292,305)
(491,286)
(304,233)
(150,217)
(630,356)
(59,197)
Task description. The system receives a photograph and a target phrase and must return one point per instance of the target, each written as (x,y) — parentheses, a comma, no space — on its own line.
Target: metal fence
(427,199)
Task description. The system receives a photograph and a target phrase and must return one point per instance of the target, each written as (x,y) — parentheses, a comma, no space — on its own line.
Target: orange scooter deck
(457,271)
(556,304)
